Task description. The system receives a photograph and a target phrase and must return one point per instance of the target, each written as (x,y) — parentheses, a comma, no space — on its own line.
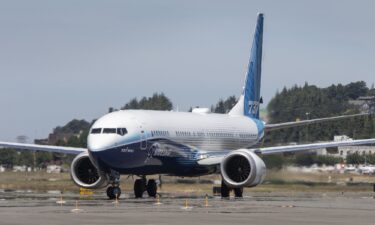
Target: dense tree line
(361,159)
(224,106)
(155,102)
(75,126)
(309,102)
(11,157)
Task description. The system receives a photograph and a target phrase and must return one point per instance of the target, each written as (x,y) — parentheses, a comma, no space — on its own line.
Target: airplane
(187,144)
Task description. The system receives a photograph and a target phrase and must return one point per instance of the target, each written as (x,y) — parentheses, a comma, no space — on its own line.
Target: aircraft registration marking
(127,150)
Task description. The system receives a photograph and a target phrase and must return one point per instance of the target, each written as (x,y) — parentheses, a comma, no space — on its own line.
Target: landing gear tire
(139,188)
(113,192)
(152,188)
(225,191)
(109,192)
(238,192)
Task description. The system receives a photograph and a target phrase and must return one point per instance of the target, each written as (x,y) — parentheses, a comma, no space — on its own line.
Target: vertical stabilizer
(249,101)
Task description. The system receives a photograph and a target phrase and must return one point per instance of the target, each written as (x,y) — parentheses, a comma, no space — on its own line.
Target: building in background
(346,150)
(366,104)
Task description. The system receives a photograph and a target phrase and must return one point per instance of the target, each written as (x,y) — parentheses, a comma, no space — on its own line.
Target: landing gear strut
(238,192)
(114,190)
(225,191)
(141,185)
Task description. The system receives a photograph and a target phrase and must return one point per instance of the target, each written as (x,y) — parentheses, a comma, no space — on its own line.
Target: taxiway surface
(259,208)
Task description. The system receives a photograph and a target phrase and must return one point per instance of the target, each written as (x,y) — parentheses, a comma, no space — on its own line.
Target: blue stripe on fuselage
(161,156)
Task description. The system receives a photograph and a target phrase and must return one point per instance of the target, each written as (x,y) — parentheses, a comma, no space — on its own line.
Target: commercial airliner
(146,142)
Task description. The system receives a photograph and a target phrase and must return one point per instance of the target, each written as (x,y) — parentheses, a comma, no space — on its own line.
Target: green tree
(43,158)
(75,126)
(309,102)
(224,106)
(304,159)
(156,102)
(274,161)
(24,158)
(327,160)
(355,159)
(356,89)
(8,157)
(371,92)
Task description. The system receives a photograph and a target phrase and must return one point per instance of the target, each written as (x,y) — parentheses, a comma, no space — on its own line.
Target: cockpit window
(96,130)
(119,131)
(109,130)
(122,131)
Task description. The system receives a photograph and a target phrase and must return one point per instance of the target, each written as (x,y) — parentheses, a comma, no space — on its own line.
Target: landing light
(203,156)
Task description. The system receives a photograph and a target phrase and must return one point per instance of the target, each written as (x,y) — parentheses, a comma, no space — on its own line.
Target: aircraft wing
(313,146)
(45,148)
(277,126)
(215,159)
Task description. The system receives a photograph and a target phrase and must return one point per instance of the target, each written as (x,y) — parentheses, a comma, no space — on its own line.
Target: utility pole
(34,161)
(24,139)
(307,127)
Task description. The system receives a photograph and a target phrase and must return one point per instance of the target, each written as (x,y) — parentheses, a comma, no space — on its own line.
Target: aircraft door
(143,136)
(143,140)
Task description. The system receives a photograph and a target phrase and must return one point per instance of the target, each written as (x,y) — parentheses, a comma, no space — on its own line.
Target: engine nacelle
(242,168)
(85,174)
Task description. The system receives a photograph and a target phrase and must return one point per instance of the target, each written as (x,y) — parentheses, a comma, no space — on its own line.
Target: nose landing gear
(114,190)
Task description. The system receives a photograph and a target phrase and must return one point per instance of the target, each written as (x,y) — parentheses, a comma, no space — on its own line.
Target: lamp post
(307,127)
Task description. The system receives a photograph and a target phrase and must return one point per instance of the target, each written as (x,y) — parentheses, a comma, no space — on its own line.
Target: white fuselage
(201,131)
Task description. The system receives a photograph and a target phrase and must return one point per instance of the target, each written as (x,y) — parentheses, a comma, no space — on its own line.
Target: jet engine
(242,168)
(85,174)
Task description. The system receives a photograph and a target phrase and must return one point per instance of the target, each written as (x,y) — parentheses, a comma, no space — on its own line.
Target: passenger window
(96,130)
(122,131)
(109,130)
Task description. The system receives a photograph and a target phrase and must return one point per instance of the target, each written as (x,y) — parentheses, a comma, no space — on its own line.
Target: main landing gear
(141,185)
(225,191)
